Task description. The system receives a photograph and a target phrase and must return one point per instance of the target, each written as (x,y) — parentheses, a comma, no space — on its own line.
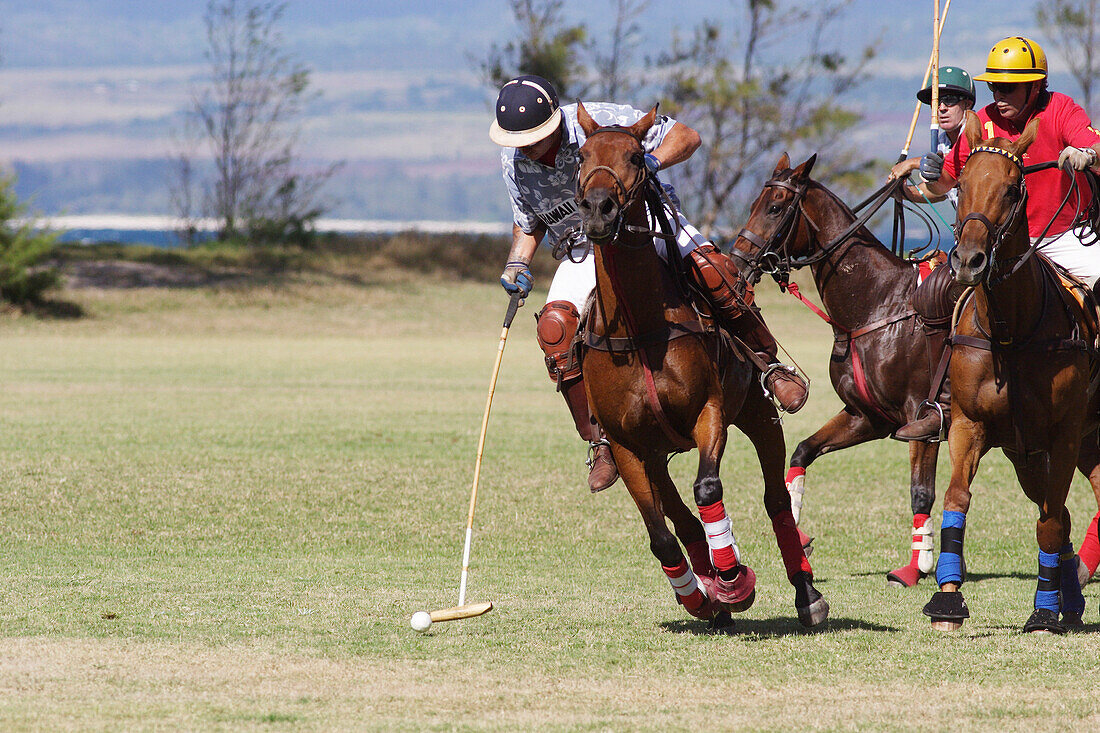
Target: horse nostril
(606,207)
(585,204)
(977,261)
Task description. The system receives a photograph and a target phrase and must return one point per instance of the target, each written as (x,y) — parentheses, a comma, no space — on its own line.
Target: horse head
(769,238)
(612,171)
(992,200)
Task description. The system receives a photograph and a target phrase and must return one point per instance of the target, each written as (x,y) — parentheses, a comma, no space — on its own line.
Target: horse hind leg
(756,420)
(922,492)
(644,481)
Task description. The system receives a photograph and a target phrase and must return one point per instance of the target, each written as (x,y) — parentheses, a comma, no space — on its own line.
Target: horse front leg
(1045,479)
(643,481)
(968,442)
(735,585)
(758,420)
(922,495)
(1088,463)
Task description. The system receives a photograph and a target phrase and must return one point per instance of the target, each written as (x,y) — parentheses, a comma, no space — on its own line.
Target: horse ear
(1027,137)
(803,171)
(783,164)
(641,127)
(973,129)
(588,124)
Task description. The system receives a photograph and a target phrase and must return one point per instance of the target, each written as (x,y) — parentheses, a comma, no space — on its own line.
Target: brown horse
(1020,374)
(661,379)
(880,365)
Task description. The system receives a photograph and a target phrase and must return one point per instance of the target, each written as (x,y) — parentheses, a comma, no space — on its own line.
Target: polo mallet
(927,73)
(935,126)
(421,620)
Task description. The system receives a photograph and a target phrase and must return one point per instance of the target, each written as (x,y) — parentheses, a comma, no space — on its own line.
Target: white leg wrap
(719,535)
(922,544)
(796,488)
(684,585)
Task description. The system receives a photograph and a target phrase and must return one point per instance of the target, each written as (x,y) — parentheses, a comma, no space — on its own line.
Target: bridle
(772,255)
(996,233)
(646,185)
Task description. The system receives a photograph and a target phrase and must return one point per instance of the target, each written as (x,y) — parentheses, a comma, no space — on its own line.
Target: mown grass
(223,504)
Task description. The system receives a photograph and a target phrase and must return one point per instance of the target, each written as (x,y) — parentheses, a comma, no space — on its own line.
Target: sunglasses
(950,99)
(1004,87)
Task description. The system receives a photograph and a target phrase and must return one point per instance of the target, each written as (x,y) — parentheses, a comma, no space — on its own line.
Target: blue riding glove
(931,166)
(652,164)
(517,278)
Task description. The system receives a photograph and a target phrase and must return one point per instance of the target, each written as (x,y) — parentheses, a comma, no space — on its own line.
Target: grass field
(221,507)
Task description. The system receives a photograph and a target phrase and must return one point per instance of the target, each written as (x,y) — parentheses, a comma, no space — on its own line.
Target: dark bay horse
(660,380)
(1024,353)
(880,365)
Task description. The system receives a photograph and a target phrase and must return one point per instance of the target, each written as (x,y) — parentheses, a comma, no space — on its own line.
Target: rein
(637,343)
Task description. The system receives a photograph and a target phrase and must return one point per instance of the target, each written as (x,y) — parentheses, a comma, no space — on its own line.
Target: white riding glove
(1078,158)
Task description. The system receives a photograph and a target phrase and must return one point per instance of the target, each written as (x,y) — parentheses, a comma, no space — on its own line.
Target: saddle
(934,299)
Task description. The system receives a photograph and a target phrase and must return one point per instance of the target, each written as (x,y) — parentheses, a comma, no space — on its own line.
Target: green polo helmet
(953,80)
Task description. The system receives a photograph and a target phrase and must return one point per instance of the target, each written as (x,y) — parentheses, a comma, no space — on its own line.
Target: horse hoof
(947,610)
(807,542)
(814,614)
(905,577)
(738,593)
(811,605)
(1043,620)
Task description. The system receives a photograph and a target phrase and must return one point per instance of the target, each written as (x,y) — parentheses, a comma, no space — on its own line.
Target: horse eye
(774,209)
(637,160)
(1013,193)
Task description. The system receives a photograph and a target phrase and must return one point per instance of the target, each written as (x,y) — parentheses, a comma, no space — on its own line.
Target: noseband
(995,234)
(771,257)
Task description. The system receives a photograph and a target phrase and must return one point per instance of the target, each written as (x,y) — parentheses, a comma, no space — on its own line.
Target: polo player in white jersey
(541,140)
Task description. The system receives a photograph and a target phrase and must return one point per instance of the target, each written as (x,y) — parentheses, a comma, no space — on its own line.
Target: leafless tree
(612,68)
(1073,26)
(752,93)
(247,116)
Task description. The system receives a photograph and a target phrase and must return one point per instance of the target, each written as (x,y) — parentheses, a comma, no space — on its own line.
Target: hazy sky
(106,80)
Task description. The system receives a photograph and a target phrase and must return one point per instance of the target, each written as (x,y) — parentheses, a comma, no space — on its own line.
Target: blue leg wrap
(1073,601)
(1046,593)
(949,568)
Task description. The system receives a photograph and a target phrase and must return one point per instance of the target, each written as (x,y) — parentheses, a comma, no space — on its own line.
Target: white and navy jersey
(545,196)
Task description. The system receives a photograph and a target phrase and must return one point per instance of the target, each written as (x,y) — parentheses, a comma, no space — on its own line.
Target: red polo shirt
(1062,122)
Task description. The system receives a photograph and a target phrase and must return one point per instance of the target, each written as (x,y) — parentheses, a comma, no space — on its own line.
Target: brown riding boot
(732,298)
(602,472)
(933,418)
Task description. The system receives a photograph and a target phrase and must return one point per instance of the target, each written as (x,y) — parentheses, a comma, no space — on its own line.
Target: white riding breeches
(573,281)
(1066,249)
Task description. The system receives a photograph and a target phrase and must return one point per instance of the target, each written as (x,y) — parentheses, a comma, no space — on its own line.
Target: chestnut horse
(661,379)
(1024,352)
(880,366)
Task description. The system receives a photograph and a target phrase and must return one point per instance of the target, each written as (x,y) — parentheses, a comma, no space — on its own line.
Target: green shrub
(22,247)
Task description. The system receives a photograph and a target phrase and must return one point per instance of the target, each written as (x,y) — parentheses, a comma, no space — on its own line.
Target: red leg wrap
(699,555)
(1090,547)
(794,472)
(790,546)
(724,557)
(696,602)
(918,522)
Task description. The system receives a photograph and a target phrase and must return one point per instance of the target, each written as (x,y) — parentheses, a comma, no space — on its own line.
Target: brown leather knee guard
(556,327)
(717,275)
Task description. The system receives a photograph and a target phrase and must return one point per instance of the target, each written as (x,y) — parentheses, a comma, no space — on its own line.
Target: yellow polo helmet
(1015,59)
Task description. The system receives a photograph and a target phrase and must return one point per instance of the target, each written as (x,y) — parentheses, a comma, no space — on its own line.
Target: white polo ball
(420,621)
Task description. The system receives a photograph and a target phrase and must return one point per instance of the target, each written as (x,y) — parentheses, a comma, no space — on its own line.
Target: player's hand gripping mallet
(422,620)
